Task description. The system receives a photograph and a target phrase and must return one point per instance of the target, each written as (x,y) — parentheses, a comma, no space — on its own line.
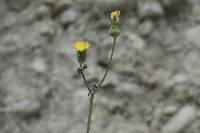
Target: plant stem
(85,80)
(91,98)
(109,64)
(92,93)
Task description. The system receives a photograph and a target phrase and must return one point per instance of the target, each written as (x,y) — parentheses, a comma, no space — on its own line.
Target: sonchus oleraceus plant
(81,48)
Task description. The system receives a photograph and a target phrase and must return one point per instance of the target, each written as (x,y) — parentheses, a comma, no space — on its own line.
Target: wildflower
(115,14)
(81,48)
(114,30)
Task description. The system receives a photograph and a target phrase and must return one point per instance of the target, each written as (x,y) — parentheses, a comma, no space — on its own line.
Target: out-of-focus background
(153,85)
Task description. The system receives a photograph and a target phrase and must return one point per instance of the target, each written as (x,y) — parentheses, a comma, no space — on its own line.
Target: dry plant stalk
(81,49)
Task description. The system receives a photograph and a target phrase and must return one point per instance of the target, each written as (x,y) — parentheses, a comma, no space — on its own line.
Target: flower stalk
(91,98)
(109,63)
(81,48)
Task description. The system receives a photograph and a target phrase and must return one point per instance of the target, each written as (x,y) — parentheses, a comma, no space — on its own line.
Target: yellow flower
(81,46)
(114,30)
(115,14)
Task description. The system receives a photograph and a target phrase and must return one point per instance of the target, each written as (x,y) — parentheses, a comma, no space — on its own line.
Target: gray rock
(2,8)
(17,5)
(192,35)
(49,2)
(24,107)
(20,98)
(120,126)
(170,3)
(179,78)
(8,43)
(107,5)
(128,90)
(58,6)
(135,40)
(196,12)
(39,65)
(183,118)
(68,16)
(42,11)
(146,28)
(110,104)
(182,93)
(46,29)
(63,4)
(80,102)
(133,22)
(170,109)
(150,8)
(166,38)
(191,65)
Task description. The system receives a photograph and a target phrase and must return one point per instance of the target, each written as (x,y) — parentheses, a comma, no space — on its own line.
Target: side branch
(85,80)
(109,64)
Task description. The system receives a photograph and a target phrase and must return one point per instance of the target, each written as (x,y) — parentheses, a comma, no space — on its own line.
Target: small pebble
(39,65)
(150,9)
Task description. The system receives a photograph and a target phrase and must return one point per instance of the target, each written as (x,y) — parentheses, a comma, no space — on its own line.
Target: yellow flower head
(81,46)
(115,14)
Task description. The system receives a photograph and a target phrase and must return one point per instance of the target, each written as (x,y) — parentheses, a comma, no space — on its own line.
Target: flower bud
(114,30)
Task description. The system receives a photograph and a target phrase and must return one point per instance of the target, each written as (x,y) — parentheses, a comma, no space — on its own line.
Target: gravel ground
(153,85)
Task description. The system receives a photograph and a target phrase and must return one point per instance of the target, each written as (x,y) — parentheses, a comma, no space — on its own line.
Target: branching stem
(109,65)
(93,90)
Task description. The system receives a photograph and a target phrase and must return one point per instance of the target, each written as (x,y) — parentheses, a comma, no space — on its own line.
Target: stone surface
(17,5)
(154,71)
(68,16)
(146,28)
(196,12)
(136,41)
(80,102)
(150,8)
(121,127)
(43,11)
(192,35)
(128,90)
(39,65)
(182,119)
(170,109)
(25,107)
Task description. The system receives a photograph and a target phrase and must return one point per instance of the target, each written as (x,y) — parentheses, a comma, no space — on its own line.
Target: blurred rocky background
(154,83)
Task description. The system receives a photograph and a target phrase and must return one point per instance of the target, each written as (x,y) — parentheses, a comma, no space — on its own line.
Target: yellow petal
(115,14)
(81,46)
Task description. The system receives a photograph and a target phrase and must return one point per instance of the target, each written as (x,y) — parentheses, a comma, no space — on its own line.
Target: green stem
(91,98)
(109,65)
(85,80)
(91,95)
